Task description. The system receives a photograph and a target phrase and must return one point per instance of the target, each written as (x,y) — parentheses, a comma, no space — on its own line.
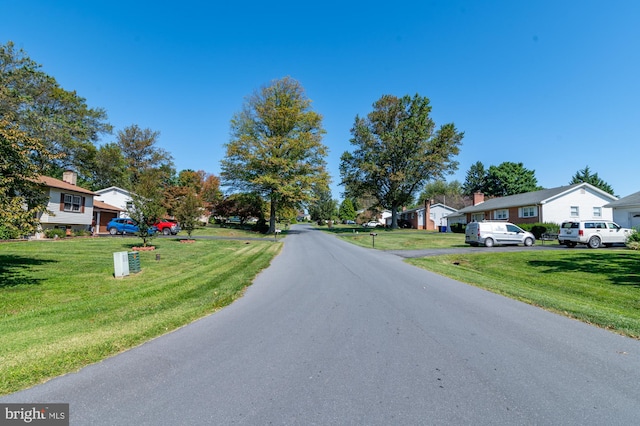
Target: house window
(529,211)
(72,203)
(501,214)
(477,217)
(597,212)
(575,211)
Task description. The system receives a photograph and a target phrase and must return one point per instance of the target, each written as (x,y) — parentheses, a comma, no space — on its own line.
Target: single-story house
(626,210)
(70,207)
(429,217)
(579,201)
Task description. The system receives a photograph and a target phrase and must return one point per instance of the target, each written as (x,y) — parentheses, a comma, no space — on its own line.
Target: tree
(141,153)
(147,208)
(323,206)
(275,148)
(59,119)
(509,179)
(109,168)
(448,193)
(22,198)
(189,211)
(346,210)
(242,205)
(397,149)
(585,175)
(476,179)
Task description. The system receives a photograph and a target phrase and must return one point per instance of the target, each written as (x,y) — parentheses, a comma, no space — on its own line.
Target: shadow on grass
(620,268)
(14,270)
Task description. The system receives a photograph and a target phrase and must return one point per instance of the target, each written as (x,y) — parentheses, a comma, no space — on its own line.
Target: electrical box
(134,262)
(120,264)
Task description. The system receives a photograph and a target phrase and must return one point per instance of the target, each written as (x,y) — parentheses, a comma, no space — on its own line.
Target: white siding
(67,218)
(627,217)
(438,213)
(559,209)
(116,197)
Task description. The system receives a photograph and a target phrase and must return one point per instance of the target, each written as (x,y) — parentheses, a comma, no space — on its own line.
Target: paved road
(337,334)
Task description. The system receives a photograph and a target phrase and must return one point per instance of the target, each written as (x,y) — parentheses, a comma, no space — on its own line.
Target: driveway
(335,334)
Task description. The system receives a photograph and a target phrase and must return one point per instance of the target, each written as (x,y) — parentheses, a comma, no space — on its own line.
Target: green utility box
(134,262)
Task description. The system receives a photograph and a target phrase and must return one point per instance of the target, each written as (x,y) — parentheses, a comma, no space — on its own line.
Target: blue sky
(552,84)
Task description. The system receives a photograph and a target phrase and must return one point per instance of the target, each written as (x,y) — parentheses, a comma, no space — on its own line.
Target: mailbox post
(373,239)
(275,234)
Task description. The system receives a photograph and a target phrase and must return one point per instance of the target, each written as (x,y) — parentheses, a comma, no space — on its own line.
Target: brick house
(578,201)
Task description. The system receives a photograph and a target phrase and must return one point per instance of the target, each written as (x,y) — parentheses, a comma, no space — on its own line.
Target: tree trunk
(272,218)
(394,216)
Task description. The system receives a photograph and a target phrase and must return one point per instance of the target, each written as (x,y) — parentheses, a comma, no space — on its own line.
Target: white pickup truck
(593,233)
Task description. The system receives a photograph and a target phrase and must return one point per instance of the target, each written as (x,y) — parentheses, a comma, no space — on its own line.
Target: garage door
(635,219)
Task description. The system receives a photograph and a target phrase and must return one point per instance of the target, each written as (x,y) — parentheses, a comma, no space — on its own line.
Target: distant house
(626,210)
(429,217)
(578,201)
(70,207)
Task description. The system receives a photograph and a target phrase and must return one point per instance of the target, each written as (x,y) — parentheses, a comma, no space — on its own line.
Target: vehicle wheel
(488,242)
(113,231)
(166,231)
(594,242)
(528,242)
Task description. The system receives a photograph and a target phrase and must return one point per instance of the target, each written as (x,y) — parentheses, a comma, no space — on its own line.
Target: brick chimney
(70,176)
(478,198)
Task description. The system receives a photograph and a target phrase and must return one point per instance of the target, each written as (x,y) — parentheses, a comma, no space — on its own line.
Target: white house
(117,197)
(70,207)
(626,211)
(578,202)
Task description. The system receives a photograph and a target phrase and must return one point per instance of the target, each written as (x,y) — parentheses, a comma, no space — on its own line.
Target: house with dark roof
(579,201)
(429,217)
(626,210)
(70,206)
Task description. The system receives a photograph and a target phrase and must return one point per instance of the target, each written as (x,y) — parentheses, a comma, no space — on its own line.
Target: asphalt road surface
(334,334)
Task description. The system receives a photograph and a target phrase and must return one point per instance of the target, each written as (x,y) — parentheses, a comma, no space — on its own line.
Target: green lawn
(601,287)
(61,308)
(400,239)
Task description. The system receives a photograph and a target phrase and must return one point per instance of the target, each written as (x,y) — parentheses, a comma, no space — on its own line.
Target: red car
(168,227)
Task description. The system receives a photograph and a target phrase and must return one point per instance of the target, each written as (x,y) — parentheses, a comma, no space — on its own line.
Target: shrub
(458,228)
(633,240)
(53,233)
(81,233)
(8,234)
(537,229)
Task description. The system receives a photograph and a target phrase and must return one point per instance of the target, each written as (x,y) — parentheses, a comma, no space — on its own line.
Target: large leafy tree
(243,205)
(22,198)
(475,180)
(398,149)
(510,178)
(59,119)
(276,147)
(585,175)
(141,153)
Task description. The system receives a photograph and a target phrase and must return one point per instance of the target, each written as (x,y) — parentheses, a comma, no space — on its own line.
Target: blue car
(124,225)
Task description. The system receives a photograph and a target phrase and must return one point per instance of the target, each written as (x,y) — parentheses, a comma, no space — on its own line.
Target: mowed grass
(61,308)
(399,239)
(600,287)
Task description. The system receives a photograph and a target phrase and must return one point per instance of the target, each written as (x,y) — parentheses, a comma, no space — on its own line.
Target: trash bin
(443,228)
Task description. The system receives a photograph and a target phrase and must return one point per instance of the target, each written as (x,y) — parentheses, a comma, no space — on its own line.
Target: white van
(489,233)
